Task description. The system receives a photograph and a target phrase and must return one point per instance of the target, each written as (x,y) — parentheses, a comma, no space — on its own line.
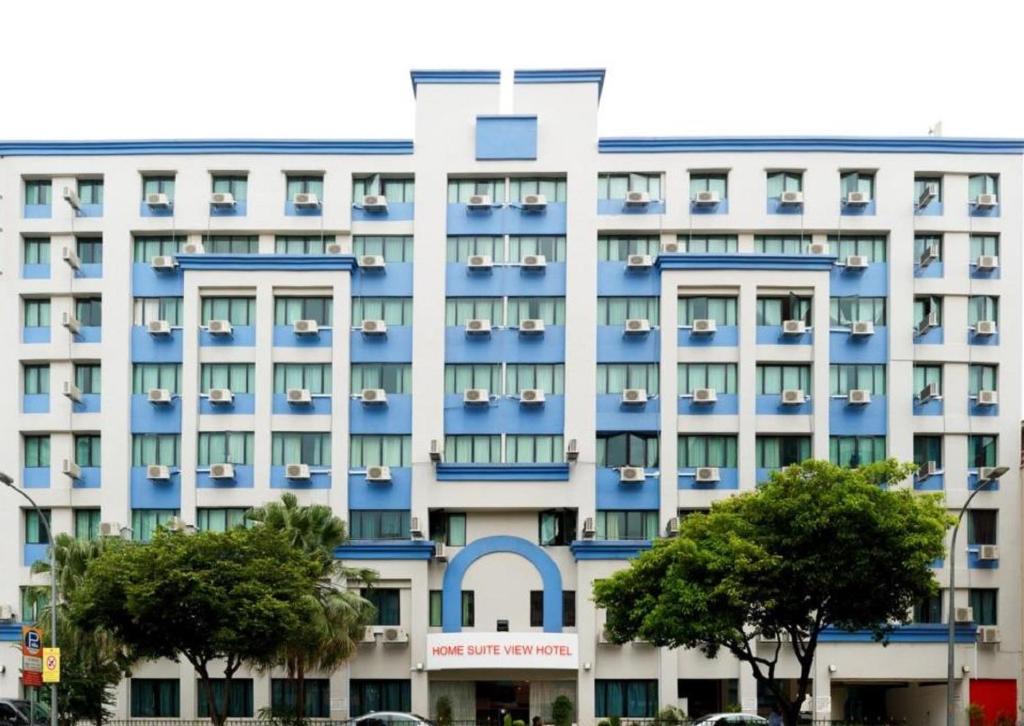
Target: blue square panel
(506,137)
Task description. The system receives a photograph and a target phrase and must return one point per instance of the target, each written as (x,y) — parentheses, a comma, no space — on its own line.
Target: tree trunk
(791,715)
(211,702)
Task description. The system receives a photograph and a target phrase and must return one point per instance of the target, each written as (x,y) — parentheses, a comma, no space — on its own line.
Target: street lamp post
(992,475)
(6,479)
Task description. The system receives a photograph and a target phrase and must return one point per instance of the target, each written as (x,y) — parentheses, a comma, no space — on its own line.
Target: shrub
(443,709)
(561,711)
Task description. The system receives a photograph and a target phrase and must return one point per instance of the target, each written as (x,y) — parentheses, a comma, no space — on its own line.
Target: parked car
(391,718)
(15,712)
(731,719)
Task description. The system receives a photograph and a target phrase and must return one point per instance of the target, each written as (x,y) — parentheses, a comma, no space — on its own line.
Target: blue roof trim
(597,549)
(384,147)
(860,144)
(345,263)
(505,117)
(743,261)
(411,549)
(10,632)
(913,633)
(456,77)
(502,472)
(566,75)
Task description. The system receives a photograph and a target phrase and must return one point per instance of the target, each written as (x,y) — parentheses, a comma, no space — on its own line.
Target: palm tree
(342,614)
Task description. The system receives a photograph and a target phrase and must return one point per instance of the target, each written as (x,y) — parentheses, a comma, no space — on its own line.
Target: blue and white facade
(875,312)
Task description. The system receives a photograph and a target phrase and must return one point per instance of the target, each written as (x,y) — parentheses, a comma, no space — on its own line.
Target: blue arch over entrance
(451,589)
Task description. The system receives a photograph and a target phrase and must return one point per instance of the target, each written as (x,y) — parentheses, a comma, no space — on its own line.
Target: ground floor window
(155,697)
(366,696)
(628,698)
(239,702)
(284,697)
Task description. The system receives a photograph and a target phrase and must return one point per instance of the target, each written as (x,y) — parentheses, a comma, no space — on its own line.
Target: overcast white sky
(315,69)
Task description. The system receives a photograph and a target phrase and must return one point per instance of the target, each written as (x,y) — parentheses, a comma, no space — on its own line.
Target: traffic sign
(51,665)
(31,656)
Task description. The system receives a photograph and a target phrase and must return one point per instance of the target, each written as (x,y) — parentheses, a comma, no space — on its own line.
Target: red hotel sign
(502,650)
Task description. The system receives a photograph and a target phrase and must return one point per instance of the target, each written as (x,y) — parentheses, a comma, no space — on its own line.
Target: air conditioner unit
(69,256)
(110,529)
(639,262)
(791,198)
(378,473)
(988,634)
(374,396)
(6,612)
(858,396)
(72,198)
(305,200)
(632,474)
(296,471)
(818,248)
(222,199)
(857,262)
(572,451)
(671,248)
(476,396)
(862,327)
(70,322)
(158,472)
(298,396)
(479,201)
(672,527)
(927,469)
(703,326)
(306,327)
(988,552)
(375,203)
(333,248)
(634,396)
(987,473)
(396,635)
(985,327)
(931,320)
(70,390)
(478,326)
(794,327)
(638,326)
(160,396)
(374,327)
(930,255)
(857,199)
(435,451)
(222,471)
(221,396)
(371,262)
(162,263)
(588,528)
(479,262)
(219,327)
(704,395)
(793,397)
(158,200)
(531,396)
(988,398)
(930,192)
(193,248)
(531,326)
(534,201)
(930,391)
(707,474)
(370,635)
(533,262)
(415,530)
(706,198)
(987,263)
(986,201)
(637,199)
(964,615)
(71,469)
(158,327)
(440,552)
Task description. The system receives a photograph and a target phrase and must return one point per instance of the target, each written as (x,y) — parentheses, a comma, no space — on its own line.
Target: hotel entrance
(495,699)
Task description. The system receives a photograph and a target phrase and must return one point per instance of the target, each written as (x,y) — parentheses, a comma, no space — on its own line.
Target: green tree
(817,546)
(339,614)
(210,596)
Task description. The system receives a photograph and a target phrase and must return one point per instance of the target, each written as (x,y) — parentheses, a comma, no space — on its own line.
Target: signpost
(31,656)
(51,665)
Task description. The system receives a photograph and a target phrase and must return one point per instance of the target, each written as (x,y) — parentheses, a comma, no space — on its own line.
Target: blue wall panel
(148,348)
(396,494)
(395,280)
(35,271)
(872,282)
(244,478)
(728,479)
(318,479)
(395,347)
(91,478)
(147,211)
(773,206)
(935,336)
(290,210)
(33,553)
(858,210)
(35,403)
(89,403)
(931,407)
(728,404)
(241,335)
(90,271)
(148,418)
(238,209)
(934,208)
(613,415)
(973,409)
(89,334)
(771,405)
(506,137)
(721,208)
(38,211)
(935,483)
(35,335)
(614,279)
(772,335)
(396,212)
(935,271)
(726,335)
(505,346)
(394,417)
(510,280)
(461,220)
(35,477)
(320,405)
(619,206)
(240,403)
(148,494)
(147,282)
(975,211)
(504,415)
(989,340)
(614,346)
(977,274)
(846,348)
(285,337)
(858,420)
(974,561)
(611,494)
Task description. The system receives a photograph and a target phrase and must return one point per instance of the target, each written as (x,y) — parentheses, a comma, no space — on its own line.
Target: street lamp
(6,479)
(991,475)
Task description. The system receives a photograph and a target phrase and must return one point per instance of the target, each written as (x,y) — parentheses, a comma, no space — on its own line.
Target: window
(549,309)
(36,379)
(719,376)
(394,189)
(552,189)
(289,309)
(304,184)
(855,451)
(549,377)
(552,247)
(38,191)
(615,186)
(845,311)
(773,310)
(367,696)
(982,377)
(34,600)
(155,449)
(625,698)
(37,313)
(847,377)
(929,610)
(708,182)
(568,608)
(774,452)
(773,379)
(784,181)
(619,248)
(37,451)
(89,311)
(145,248)
(980,184)
(468,603)
(236,310)
(468,449)
(981,527)
(302,244)
(720,309)
(237,377)
(386,601)
(237,185)
(984,603)
(90,191)
(461,248)
(468,608)
(925,306)
(90,250)
(221,519)
(459,310)
(146,376)
(158,184)
(780,244)
(982,307)
(629,449)
(981,244)
(928,242)
(284,697)
(87,450)
(927,448)
(155,698)
(313,448)
(147,309)
(870,246)
(448,527)
(706,450)
(87,377)
(37,250)
(614,378)
(460,376)
(460,190)
(534,449)
(314,377)
(231,244)
(393,248)
(617,310)
(225,447)
(379,524)
(35,529)
(239,697)
(857,181)
(927,374)
(982,450)
(369,450)
(146,521)
(392,310)
(717,244)
(923,182)
(557,527)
